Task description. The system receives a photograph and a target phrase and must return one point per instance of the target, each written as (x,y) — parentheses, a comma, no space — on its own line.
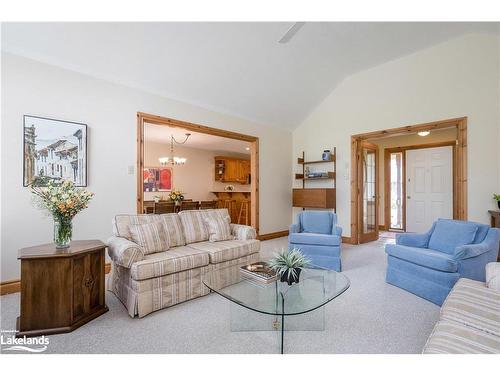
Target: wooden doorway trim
(143,118)
(459,169)
(387,177)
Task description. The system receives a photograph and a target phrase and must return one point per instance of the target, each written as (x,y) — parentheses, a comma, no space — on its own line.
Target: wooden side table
(61,289)
(495,223)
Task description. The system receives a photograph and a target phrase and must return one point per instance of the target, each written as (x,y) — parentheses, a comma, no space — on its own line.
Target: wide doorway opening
(409,177)
(186,166)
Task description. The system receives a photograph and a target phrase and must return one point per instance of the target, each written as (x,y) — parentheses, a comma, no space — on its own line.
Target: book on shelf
(259,271)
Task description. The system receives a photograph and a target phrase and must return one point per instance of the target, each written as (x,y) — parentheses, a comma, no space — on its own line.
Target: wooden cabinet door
(95,280)
(244,171)
(88,284)
(231,171)
(79,309)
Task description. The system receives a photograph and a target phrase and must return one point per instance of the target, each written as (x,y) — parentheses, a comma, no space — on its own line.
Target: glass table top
(316,287)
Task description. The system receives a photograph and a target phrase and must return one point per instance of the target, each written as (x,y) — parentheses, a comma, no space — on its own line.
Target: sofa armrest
(413,239)
(124,252)
(243,232)
(493,275)
(294,228)
(337,231)
(490,243)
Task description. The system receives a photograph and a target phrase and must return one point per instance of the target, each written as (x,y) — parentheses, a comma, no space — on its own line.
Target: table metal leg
(282,331)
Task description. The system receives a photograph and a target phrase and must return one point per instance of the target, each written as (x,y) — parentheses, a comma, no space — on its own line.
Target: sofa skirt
(146,296)
(433,285)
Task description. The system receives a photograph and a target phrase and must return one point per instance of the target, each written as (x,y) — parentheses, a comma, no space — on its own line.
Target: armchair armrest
(124,252)
(337,231)
(243,232)
(490,243)
(413,239)
(294,228)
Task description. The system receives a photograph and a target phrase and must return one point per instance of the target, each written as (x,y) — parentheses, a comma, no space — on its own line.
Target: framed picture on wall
(157,179)
(54,149)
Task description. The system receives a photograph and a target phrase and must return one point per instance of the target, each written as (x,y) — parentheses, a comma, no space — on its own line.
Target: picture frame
(157,179)
(54,149)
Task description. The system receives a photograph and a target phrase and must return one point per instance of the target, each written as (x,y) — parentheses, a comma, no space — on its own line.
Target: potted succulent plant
(288,265)
(497,198)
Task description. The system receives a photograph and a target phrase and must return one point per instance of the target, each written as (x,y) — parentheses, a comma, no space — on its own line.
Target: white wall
(401,141)
(29,87)
(453,79)
(196,178)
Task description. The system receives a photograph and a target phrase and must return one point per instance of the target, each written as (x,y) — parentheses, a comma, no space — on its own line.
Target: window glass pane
(396,204)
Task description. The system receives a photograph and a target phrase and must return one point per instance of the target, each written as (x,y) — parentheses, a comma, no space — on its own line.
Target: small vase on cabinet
(63,231)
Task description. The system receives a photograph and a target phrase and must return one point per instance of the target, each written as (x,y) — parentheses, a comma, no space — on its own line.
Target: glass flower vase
(63,230)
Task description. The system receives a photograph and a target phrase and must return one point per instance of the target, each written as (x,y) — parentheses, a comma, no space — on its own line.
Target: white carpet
(370,317)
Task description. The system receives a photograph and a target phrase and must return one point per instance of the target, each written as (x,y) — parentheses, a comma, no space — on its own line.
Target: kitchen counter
(238,197)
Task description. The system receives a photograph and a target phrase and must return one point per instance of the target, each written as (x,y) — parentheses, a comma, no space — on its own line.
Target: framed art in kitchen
(54,149)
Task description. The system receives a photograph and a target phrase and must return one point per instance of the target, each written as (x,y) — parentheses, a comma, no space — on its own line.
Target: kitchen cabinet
(234,170)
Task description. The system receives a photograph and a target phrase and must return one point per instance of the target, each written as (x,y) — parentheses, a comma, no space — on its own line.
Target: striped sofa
(469,319)
(148,282)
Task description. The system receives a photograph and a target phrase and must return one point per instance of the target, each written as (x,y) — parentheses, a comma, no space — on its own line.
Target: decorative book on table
(259,271)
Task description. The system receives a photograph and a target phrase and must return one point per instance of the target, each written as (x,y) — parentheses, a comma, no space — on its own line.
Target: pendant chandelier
(174,160)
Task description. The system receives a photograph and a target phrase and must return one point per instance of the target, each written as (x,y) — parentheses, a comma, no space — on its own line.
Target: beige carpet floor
(370,317)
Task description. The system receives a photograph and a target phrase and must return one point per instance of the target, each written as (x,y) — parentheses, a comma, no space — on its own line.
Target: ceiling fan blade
(291,32)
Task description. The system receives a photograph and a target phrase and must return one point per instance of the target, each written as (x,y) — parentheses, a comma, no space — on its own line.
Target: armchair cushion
(124,252)
(317,222)
(425,257)
(314,239)
(449,234)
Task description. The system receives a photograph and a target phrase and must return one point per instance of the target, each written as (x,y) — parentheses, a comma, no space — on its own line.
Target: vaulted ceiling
(235,68)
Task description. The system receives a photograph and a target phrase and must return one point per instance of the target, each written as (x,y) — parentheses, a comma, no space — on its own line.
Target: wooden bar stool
(244,209)
(230,204)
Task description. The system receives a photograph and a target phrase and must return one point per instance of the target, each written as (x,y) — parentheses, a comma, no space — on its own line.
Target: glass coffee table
(316,288)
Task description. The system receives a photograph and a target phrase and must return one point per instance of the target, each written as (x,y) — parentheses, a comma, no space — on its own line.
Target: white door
(429,187)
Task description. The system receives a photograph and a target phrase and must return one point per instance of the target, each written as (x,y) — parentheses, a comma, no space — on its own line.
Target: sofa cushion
(174,260)
(424,257)
(227,250)
(151,237)
(316,222)
(471,303)
(174,229)
(314,239)
(218,225)
(193,224)
(448,234)
(453,338)
(121,223)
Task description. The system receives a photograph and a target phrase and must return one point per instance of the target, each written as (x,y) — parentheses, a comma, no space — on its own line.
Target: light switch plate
(130,169)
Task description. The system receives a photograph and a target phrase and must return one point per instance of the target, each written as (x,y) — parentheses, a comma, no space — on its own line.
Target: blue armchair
(429,264)
(317,235)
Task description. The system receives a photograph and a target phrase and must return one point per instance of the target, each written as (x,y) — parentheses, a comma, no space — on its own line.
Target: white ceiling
(235,68)
(161,134)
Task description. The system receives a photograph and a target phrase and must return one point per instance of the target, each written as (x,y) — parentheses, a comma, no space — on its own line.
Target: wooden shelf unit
(315,197)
